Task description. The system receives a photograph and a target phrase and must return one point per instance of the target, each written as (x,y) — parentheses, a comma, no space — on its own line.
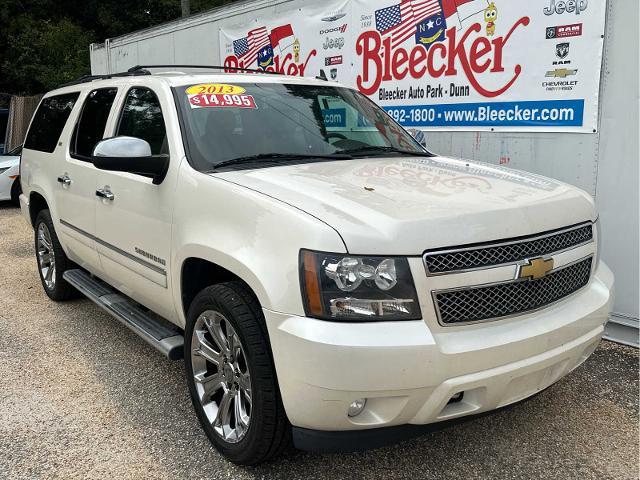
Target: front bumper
(408,372)
(5,185)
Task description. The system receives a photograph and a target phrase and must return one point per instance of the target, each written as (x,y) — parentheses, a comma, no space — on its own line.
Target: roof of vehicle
(178,76)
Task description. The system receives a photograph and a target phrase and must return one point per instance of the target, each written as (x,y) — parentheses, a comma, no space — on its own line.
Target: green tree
(44,54)
(44,43)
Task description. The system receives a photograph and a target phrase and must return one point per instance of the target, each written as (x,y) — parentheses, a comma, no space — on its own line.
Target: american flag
(400,21)
(241,47)
(247,48)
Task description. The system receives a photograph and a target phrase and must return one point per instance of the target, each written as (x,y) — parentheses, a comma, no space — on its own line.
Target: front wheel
(231,377)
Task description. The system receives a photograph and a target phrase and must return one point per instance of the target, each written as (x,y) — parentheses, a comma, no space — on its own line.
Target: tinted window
(48,122)
(142,118)
(93,119)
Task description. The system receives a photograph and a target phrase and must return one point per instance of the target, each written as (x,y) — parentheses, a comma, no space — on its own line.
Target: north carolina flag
(279,34)
(464,8)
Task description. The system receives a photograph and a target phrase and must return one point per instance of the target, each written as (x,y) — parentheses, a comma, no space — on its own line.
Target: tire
(16,190)
(48,247)
(268,432)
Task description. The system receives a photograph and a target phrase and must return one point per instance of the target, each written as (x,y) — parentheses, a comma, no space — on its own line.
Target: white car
(326,279)
(10,175)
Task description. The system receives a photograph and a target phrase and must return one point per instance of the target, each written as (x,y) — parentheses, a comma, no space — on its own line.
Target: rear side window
(48,122)
(93,120)
(142,118)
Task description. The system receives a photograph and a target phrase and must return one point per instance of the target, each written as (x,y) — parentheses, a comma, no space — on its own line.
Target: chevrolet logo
(561,73)
(535,268)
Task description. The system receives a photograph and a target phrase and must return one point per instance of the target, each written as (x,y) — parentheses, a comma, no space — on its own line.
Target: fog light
(356,407)
(456,398)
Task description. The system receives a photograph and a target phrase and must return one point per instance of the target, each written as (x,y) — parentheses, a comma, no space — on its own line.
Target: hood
(9,161)
(405,205)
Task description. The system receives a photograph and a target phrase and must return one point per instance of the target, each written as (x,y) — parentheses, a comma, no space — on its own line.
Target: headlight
(354,288)
(2,170)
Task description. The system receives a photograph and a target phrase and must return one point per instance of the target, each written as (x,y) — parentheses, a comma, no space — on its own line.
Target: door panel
(75,207)
(76,184)
(134,227)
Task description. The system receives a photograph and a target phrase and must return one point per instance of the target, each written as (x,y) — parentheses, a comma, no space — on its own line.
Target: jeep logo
(330,43)
(568,6)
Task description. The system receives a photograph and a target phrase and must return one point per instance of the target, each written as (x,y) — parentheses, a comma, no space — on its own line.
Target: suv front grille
(474,304)
(506,252)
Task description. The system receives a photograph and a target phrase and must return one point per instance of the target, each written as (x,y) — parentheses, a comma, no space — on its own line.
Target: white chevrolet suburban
(326,279)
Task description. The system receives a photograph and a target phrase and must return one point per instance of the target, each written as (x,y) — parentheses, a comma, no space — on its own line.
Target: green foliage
(44,43)
(45,54)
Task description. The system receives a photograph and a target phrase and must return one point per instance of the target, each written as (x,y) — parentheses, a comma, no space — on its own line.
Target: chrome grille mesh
(474,304)
(452,261)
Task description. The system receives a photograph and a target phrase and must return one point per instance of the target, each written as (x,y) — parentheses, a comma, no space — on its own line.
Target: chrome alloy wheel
(46,256)
(221,376)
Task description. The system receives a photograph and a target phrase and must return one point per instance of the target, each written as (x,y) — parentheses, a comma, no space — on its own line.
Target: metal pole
(186,9)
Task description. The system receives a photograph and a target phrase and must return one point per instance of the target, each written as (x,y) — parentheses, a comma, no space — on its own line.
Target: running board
(155,330)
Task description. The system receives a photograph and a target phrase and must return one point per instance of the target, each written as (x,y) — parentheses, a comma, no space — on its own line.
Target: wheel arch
(16,189)
(37,202)
(197,272)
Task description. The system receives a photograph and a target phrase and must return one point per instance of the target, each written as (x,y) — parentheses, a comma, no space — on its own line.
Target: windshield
(255,122)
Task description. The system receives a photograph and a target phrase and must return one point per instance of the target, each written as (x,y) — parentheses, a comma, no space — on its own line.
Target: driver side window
(142,118)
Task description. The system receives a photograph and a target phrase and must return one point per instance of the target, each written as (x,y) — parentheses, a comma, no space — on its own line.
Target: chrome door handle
(105,193)
(64,179)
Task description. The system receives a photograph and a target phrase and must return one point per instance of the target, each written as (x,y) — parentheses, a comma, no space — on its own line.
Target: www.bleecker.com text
(428,91)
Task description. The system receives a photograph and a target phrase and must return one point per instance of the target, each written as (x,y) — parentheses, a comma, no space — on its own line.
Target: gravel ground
(83,397)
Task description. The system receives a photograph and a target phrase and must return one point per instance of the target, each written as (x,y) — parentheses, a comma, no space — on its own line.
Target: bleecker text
(285,65)
(382,63)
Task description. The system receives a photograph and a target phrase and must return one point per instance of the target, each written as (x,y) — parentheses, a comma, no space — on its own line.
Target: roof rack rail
(91,78)
(143,68)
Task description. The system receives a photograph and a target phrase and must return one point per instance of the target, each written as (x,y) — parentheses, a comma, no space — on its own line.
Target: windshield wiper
(373,149)
(276,157)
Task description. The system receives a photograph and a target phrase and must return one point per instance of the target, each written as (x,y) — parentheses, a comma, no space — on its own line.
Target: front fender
(256,237)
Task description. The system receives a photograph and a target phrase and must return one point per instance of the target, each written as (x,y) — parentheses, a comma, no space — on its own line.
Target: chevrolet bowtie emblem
(535,268)
(561,73)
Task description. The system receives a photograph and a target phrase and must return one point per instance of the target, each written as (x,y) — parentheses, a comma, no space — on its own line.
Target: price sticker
(228,100)
(221,88)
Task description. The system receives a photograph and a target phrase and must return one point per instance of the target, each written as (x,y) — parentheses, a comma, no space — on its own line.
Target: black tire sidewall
(16,190)
(252,448)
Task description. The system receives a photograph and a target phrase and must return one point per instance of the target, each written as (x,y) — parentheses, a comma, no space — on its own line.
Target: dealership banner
(504,65)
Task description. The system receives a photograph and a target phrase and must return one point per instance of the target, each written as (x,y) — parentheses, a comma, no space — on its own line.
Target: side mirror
(132,155)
